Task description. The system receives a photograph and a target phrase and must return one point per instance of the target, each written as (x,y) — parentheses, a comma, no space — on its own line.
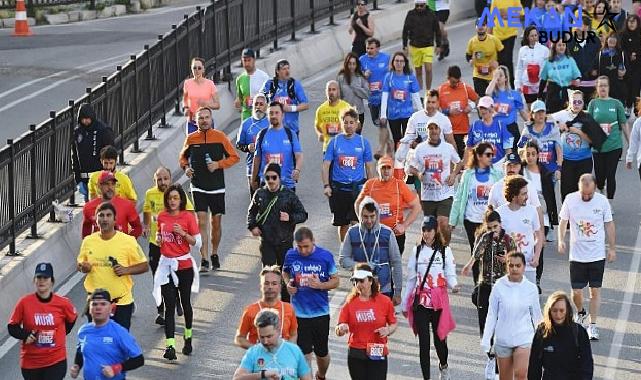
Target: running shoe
(593,332)
(170,353)
(581,318)
(187,348)
(215,262)
(160,320)
(444,372)
(204,266)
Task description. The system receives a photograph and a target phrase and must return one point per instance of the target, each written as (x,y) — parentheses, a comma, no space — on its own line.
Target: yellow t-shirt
(484,52)
(124,187)
(154,204)
(505,32)
(328,120)
(96,251)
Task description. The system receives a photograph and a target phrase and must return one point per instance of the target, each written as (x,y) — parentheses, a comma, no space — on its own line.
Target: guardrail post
(258,32)
(163,84)
(52,161)
(292,12)
(177,111)
(72,105)
(331,13)
(242,24)
(12,210)
(185,18)
(312,25)
(150,133)
(199,11)
(34,196)
(275,15)
(123,122)
(375,5)
(136,148)
(227,71)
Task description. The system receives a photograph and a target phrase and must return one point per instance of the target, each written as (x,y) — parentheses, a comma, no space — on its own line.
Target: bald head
(162,178)
(332,91)
(587,185)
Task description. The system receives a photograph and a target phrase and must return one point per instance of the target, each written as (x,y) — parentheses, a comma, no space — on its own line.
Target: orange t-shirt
(457,98)
(289,323)
(195,93)
(392,197)
(363,317)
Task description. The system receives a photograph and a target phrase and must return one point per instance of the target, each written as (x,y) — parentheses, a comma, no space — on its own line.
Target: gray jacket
(354,93)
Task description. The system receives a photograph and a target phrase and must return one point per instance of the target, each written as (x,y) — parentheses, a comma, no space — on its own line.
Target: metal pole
(150,133)
(177,111)
(52,161)
(275,14)
(258,33)
(136,148)
(34,197)
(199,10)
(72,103)
(292,11)
(312,25)
(375,6)
(163,84)
(331,13)
(12,210)
(123,122)
(227,72)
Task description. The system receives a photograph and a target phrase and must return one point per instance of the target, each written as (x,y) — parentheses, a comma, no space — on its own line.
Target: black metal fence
(35,168)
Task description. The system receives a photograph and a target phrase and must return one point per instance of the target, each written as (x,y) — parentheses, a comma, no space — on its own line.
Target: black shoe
(446,51)
(215,262)
(204,266)
(170,353)
(160,321)
(187,348)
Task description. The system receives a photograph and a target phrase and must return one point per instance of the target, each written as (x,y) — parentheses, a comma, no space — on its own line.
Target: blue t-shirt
(308,302)
(507,104)
(378,67)
(277,148)
(247,135)
(547,141)
(349,157)
(561,71)
(288,360)
(574,147)
(106,345)
(495,133)
(400,89)
(291,118)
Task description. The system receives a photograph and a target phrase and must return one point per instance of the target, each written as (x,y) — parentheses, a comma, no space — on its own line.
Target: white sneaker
(582,319)
(593,332)
(550,236)
(444,373)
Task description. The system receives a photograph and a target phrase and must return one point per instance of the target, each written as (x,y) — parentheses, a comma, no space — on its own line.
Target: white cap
(360,274)
(420,1)
(486,102)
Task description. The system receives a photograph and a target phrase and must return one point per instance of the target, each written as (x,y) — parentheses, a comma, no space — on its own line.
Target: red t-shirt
(172,244)
(363,317)
(127,218)
(48,319)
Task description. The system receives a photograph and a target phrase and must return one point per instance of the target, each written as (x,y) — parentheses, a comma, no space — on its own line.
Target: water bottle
(208,159)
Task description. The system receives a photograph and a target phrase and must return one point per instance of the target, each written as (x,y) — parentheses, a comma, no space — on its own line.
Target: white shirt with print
(435,164)
(522,226)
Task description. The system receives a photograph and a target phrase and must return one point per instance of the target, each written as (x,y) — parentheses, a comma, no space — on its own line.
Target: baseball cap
(44,269)
(420,1)
(281,63)
(248,52)
(100,294)
(429,223)
(537,106)
(105,176)
(513,158)
(386,161)
(360,274)
(486,102)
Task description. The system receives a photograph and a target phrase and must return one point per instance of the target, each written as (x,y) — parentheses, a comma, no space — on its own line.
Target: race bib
(503,108)
(283,100)
(399,95)
(478,55)
(302,279)
(484,70)
(385,210)
(248,102)
(332,128)
(421,129)
(545,157)
(276,158)
(455,106)
(375,86)
(347,162)
(607,128)
(376,351)
(45,339)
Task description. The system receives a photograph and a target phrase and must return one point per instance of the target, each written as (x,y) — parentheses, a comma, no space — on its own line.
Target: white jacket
(438,268)
(527,56)
(513,314)
(634,150)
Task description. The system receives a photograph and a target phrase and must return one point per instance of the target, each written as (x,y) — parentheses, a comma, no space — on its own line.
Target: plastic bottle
(208,159)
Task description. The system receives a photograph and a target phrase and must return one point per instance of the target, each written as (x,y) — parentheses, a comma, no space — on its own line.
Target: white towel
(167,266)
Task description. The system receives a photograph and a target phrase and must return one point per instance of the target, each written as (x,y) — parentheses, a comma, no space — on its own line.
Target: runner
(110,258)
(421,32)
(506,34)
(530,62)
(124,187)
(327,122)
(248,131)
(309,272)
(590,221)
(418,122)
(507,103)
(42,320)
(547,136)
(559,73)
(442,14)
(522,222)
(205,155)
(431,270)
(634,151)
(393,197)
(277,144)
(274,358)
(375,65)
(248,84)
(374,244)
(482,53)
(177,232)
(488,129)
(512,166)
(347,164)
(631,45)
(198,92)
(270,289)
(288,92)
(362,27)
(614,65)
(368,317)
(353,86)
(105,349)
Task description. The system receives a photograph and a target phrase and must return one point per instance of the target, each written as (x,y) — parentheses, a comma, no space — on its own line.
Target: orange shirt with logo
(289,322)
(392,196)
(457,98)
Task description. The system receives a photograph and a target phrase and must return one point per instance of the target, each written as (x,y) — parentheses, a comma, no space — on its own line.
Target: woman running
(559,72)
(613,64)
(354,88)
(631,46)
(507,103)
(491,130)
(198,92)
(530,62)
(547,136)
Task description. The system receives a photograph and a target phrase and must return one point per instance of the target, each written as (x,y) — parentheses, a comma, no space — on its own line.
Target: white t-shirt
(497,198)
(587,226)
(256,82)
(442,5)
(534,179)
(478,197)
(435,164)
(521,225)
(417,124)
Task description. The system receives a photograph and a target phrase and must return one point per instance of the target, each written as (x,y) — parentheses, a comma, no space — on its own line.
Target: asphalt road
(224,293)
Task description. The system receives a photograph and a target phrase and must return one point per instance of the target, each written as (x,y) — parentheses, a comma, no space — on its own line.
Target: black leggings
(605,170)
(470,231)
(398,128)
(362,368)
(482,304)
(459,139)
(53,372)
(361,119)
(570,173)
(505,57)
(516,134)
(480,85)
(422,319)
(154,259)
(274,254)
(185,279)
(539,268)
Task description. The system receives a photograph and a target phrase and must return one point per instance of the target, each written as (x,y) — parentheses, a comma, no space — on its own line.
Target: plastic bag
(63,214)
(490,368)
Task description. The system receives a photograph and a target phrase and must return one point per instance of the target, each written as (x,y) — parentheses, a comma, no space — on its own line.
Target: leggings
(398,128)
(154,259)
(459,139)
(470,231)
(53,372)
(422,319)
(605,170)
(363,368)
(274,254)
(570,173)
(539,268)
(483,304)
(185,279)
(514,131)
(361,120)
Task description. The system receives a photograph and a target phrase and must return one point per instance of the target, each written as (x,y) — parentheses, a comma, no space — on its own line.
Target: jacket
(634,153)
(421,29)
(87,143)
(586,58)
(457,213)
(591,128)
(439,271)
(564,355)
(377,247)
(355,92)
(265,215)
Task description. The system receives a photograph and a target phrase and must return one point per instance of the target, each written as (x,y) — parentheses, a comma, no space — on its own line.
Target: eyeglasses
(488,154)
(577,101)
(271,177)
(197,68)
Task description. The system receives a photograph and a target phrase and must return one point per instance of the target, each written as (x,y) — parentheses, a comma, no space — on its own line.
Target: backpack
(261,135)
(273,87)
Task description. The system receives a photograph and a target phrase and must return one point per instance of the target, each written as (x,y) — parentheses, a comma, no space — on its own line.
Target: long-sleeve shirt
(634,150)
(354,92)
(421,29)
(439,271)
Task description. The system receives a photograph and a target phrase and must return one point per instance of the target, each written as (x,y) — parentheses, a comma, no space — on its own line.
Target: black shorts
(341,204)
(212,202)
(586,274)
(530,98)
(313,334)
(443,15)
(437,208)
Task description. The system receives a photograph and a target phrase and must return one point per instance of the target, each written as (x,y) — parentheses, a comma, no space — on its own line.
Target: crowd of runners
(495,158)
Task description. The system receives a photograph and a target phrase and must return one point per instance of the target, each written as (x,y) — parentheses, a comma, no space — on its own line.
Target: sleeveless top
(359,34)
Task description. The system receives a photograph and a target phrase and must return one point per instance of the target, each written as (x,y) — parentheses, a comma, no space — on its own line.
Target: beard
(258,114)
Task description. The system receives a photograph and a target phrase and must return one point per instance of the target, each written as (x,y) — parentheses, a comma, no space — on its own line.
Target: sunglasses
(362,4)
(488,154)
(197,68)
(577,101)
(271,177)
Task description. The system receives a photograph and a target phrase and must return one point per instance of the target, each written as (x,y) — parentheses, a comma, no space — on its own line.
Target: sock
(188,333)
(170,342)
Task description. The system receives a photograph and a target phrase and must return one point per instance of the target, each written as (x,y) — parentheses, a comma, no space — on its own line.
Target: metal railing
(35,168)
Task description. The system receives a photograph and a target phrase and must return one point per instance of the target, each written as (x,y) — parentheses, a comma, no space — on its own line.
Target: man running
(124,187)
(443,14)
(375,65)
(590,218)
(417,124)
(246,139)
(205,155)
(310,272)
(328,115)
(248,84)
(287,91)
(421,32)
(482,53)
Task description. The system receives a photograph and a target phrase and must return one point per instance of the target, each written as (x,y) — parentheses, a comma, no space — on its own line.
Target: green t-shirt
(247,87)
(610,115)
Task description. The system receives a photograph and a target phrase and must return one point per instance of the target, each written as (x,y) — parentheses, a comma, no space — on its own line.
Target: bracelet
(293,108)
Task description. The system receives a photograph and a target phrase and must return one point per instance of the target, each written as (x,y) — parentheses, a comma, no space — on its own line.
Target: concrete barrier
(307,57)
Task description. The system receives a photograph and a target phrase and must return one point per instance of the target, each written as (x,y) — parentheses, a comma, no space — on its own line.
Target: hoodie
(377,247)
(87,143)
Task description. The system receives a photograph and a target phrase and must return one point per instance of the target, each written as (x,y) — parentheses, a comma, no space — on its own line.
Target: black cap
(429,223)
(44,269)
(272,167)
(248,52)
(100,294)
(513,158)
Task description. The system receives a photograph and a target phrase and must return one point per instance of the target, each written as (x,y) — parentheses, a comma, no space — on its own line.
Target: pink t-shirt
(196,92)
